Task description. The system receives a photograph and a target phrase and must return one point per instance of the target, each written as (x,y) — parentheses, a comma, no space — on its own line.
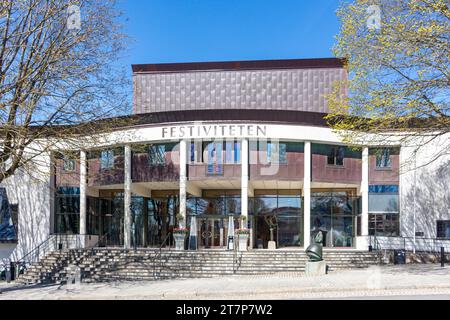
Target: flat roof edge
(240,65)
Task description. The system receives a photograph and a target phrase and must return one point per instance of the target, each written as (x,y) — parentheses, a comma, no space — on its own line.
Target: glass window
(237,152)
(333,218)
(335,156)
(232,152)
(157,154)
(443,229)
(192,155)
(384,224)
(276,152)
(383,199)
(67,210)
(383,189)
(383,202)
(277,218)
(229,152)
(107,159)
(68,164)
(214,158)
(383,158)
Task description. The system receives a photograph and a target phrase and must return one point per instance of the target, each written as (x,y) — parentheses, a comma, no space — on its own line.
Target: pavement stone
(398,280)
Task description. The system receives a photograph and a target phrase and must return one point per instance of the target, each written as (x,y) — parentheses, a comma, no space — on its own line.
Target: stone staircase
(107,264)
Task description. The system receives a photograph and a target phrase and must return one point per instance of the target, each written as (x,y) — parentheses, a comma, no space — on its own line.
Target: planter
(243,242)
(179,240)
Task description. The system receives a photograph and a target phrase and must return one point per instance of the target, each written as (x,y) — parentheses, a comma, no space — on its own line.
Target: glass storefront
(273,216)
(67,210)
(105,218)
(159,220)
(333,214)
(212,216)
(151,219)
(278,218)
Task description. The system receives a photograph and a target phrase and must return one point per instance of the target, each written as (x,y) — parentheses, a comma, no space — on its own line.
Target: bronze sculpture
(314,250)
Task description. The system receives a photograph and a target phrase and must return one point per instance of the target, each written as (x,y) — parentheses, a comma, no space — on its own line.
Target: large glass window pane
(330,156)
(237,152)
(293,204)
(333,216)
(383,202)
(107,159)
(229,152)
(157,154)
(276,152)
(340,152)
(342,234)
(232,205)
(192,152)
(383,158)
(69,164)
(289,230)
(265,205)
(215,162)
(210,206)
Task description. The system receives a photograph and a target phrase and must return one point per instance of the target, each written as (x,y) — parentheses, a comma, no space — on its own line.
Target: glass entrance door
(111,221)
(213,231)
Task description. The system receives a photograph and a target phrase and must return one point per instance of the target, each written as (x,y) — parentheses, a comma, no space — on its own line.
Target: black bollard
(442,257)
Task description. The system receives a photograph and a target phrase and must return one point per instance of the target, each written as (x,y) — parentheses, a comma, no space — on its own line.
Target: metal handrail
(421,244)
(48,245)
(35,253)
(235,257)
(159,255)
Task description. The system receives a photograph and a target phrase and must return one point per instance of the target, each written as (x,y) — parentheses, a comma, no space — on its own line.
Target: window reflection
(333,214)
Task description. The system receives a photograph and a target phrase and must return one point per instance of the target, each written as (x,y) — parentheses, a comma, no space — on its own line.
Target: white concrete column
(365,193)
(183,181)
(244,179)
(83,190)
(307,195)
(127,197)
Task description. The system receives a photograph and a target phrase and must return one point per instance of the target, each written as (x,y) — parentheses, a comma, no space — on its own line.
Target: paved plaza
(420,281)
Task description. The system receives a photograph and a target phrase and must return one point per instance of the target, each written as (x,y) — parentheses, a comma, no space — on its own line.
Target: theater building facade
(244,141)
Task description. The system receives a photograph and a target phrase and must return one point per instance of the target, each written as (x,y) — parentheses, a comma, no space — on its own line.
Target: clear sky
(224,30)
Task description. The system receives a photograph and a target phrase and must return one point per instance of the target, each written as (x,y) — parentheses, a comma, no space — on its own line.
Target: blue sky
(223,30)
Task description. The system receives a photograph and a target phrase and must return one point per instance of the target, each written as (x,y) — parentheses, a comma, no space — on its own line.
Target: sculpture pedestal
(315,268)
(243,240)
(179,241)
(271,245)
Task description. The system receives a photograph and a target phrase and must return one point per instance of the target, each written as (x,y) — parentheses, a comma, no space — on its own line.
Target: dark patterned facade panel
(290,89)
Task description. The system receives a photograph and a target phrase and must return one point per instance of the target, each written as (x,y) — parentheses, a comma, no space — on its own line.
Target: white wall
(31,191)
(433,187)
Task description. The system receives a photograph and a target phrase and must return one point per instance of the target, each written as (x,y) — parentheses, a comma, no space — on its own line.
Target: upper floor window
(276,152)
(232,152)
(383,158)
(192,152)
(335,156)
(157,154)
(107,159)
(68,164)
(214,158)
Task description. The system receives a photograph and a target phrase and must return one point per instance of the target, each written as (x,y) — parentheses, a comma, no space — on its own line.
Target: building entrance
(213,231)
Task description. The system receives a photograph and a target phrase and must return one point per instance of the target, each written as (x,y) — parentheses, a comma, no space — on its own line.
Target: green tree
(399,71)
(57,76)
